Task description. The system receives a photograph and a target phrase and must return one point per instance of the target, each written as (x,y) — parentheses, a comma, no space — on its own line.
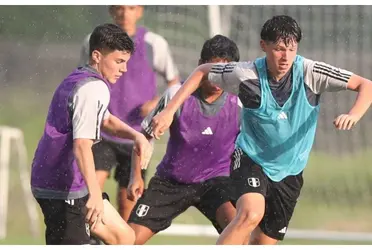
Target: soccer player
(280,95)
(195,170)
(63,178)
(133,97)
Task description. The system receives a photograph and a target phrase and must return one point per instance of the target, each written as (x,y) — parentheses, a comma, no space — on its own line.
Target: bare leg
(259,238)
(250,210)
(113,230)
(143,234)
(125,205)
(225,214)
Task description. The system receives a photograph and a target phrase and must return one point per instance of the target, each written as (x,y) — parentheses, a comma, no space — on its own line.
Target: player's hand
(160,123)
(345,121)
(135,188)
(94,208)
(143,149)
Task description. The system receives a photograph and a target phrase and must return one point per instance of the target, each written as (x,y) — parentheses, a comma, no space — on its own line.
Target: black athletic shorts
(65,221)
(280,197)
(164,200)
(108,155)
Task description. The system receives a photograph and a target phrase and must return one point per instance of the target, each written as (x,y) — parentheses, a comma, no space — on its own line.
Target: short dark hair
(283,28)
(219,47)
(110,37)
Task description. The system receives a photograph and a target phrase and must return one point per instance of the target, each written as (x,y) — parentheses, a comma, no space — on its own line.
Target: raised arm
(227,76)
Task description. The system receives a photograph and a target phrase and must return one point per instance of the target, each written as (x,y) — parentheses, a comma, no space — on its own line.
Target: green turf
(185,240)
(337,194)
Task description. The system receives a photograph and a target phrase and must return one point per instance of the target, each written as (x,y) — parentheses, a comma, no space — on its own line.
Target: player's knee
(248,218)
(125,236)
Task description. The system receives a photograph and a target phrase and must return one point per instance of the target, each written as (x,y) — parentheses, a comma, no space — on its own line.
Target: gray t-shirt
(208,109)
(242,78)
(89,104)
(158,53)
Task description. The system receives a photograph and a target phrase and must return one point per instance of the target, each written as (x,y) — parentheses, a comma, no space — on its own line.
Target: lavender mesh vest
(54,166)
(200,146)
(133,88)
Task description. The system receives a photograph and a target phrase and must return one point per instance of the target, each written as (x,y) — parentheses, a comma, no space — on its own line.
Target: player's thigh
(113,229)
(215,202)
(104,156)
(65,221)
(142,233)
(161,203)
(250,185)
(280,204)
(247,178)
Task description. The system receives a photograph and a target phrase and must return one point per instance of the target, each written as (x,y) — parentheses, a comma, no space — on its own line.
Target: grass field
(337,194)
(308,215)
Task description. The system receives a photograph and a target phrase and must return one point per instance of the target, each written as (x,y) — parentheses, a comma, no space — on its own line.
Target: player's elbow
(359,84)
(366,86)
(81,144)
(107,123)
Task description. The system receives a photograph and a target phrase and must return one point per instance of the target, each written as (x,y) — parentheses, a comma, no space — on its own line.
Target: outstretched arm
(227,76)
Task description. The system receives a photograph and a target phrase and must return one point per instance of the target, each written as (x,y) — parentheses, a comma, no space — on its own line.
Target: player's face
(209,87)
(279,56)
(112,64)
(126,16)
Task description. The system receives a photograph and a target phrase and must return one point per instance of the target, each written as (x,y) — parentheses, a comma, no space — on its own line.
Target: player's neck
(210,97)
(94,66)
(131,31)
(277,76)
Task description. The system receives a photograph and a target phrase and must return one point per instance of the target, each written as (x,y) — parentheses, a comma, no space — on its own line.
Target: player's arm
(326,78)
(363,101)
(227,76)
(114,126)
(163,64)
(136,185)
(118,128)
(88,106)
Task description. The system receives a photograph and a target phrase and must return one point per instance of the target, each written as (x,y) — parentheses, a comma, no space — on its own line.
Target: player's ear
(139,11)
(96,56)
(263,45)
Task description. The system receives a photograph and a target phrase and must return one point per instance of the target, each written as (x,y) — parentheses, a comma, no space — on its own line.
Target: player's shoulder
(316,67)
(92,86)
(246,70)
(155,40)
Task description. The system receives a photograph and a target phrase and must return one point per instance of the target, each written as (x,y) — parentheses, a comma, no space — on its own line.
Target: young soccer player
(63,178)
(280,95)
(195,170)
(133,96)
